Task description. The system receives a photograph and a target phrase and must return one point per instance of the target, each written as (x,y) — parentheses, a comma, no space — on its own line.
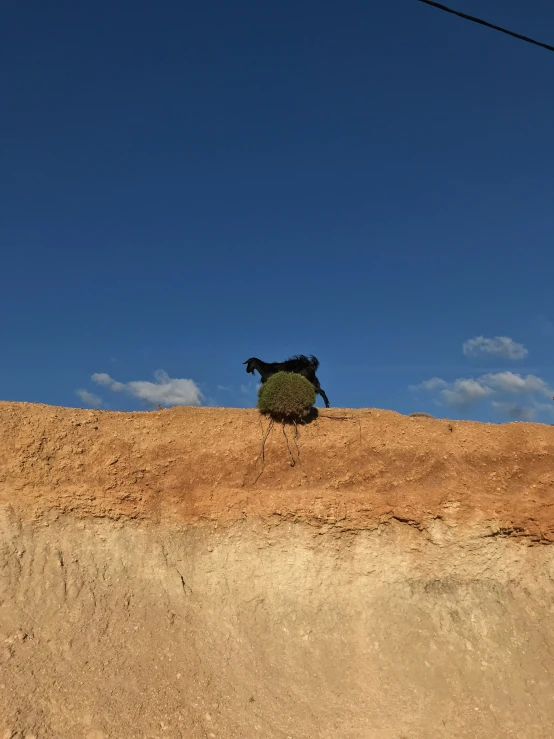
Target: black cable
(488,25)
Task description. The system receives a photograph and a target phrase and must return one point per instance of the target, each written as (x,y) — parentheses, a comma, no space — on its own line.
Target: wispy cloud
(435,383)
(165,390)
(547,408)
(465,392)
(545,325)
(511,382)
(498,346)
(252,387)
(89,400)
(101,378)
(515,411)
(498,388)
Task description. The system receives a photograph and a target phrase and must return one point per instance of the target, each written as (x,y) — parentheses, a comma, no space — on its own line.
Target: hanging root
(265,436)
(292,460)
(295,438)
(262,451)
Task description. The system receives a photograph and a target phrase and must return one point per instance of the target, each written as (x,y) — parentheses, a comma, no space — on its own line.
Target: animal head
(251,364)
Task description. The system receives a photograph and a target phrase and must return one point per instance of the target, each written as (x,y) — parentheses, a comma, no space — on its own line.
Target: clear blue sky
(186,185)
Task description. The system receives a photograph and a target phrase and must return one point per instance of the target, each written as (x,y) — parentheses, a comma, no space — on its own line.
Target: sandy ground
(396,582)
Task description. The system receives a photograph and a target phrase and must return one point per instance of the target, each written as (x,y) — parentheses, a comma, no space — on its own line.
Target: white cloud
(435,383)
(465,392)
(513,383)
(165,390)
(90,400)
(101,378)
(498,386)
(499,346)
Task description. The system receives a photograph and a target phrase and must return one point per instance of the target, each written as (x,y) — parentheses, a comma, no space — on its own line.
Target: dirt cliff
(159,579)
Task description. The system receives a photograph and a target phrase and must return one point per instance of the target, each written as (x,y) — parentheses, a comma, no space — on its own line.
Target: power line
(488,25)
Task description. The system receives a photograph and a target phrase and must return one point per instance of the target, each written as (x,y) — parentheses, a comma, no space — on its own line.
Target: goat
(299,364)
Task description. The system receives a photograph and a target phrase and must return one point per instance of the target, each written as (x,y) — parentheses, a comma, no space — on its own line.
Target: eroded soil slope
(357,468)
(396,582)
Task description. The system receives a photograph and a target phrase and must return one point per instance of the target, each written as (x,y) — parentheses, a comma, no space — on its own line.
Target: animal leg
(321,392)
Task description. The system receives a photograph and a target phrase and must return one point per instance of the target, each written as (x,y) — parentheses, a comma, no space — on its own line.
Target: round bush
(286,395)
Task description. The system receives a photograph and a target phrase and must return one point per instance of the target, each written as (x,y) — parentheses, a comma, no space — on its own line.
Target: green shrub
(286,396)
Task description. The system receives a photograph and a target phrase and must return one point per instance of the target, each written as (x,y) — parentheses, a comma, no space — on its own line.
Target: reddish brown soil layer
(357,468)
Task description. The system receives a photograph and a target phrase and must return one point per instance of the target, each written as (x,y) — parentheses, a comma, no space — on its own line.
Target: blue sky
(183,186)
